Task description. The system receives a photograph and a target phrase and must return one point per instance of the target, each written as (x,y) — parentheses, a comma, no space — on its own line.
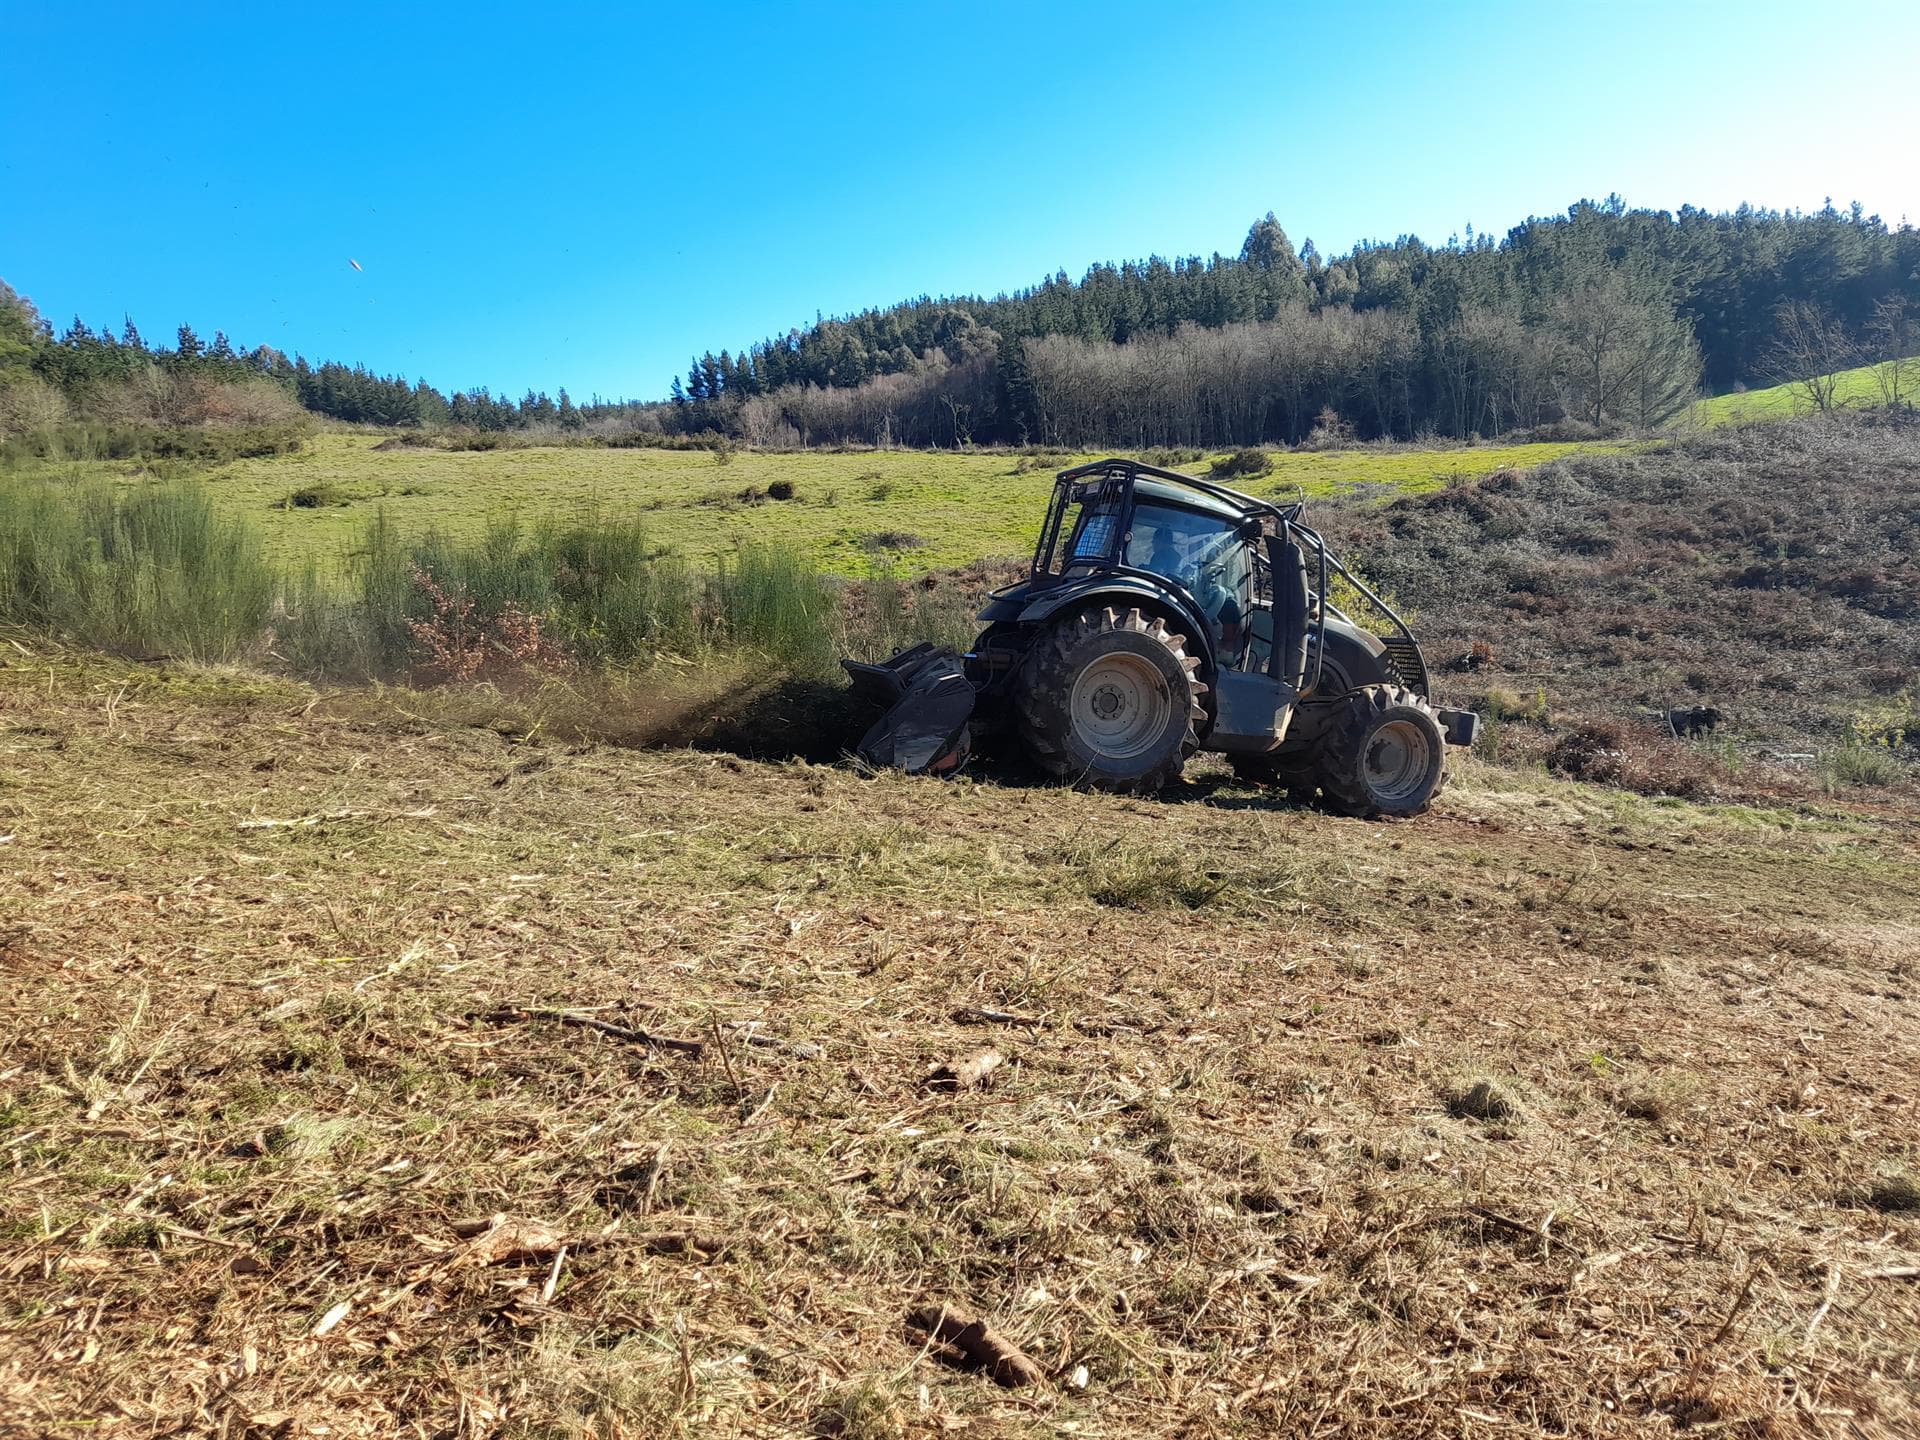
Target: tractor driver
(1208,585)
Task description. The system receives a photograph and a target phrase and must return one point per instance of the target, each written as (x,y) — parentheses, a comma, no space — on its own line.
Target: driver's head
(1166,555)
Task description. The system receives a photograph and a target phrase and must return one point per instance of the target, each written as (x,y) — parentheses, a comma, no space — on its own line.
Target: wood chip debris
(983,1015)
(503,1239)
(967,1073)
(332,1318)
(306,822)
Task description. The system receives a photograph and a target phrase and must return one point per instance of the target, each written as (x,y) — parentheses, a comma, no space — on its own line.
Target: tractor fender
(1122,594)
(1353,658)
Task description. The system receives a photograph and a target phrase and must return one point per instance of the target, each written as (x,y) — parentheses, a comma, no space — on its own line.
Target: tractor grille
(1407,663)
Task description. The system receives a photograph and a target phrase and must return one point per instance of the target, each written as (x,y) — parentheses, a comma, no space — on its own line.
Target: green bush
(775,601)
(600,589)
(204,444)
(1862,766)
(1241,463)
(1170,457)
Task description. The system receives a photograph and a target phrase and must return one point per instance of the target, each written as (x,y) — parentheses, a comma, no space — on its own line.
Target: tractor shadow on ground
(820,721)
(1226,792)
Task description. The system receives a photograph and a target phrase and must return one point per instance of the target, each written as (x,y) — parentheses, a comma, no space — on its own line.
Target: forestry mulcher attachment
(1165,615)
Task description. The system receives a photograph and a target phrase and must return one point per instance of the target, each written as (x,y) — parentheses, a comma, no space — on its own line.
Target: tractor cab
(1205,548)
(1206,553)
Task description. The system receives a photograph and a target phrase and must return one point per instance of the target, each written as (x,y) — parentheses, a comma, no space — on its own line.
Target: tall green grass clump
(157,570)
(887,614)
(1861,765)
(774,601)
(151,571)
(600,591)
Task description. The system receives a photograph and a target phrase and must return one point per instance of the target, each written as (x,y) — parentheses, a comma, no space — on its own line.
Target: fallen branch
(980,1014)
(307,821)
(979,1344)
(604,1027)
(1892,1272)
(1494,1217)
(1115,1027)
(802,1049)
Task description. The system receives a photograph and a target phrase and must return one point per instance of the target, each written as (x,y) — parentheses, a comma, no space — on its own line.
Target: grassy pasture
(1855,388)
(856,514)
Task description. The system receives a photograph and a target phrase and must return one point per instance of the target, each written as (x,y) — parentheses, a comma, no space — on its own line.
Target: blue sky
(550,195)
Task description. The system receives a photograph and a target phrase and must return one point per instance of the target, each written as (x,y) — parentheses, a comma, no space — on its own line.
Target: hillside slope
(1768,571)
(1858,388)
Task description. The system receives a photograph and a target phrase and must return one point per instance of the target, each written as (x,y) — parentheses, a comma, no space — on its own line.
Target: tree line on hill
(1606,318)
(100,375)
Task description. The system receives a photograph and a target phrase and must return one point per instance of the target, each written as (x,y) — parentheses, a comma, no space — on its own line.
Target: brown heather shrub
(1772,572)
(1633,757)
(454,644)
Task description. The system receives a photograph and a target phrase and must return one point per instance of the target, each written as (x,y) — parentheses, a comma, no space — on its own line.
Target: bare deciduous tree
(1809,350)
(1627,358)
(1895,329)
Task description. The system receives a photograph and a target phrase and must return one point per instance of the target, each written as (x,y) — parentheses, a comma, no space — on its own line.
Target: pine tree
(1017,401)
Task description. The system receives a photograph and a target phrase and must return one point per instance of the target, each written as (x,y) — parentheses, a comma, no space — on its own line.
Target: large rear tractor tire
(1386,755)
(1109,700)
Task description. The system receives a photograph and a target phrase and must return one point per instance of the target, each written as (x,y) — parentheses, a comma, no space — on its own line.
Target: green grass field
(856,513)
(1777,402)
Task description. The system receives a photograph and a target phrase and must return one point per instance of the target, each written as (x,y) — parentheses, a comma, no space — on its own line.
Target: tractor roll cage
(1115,486)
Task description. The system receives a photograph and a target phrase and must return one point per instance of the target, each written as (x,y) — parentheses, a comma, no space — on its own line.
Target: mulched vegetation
(322,1110)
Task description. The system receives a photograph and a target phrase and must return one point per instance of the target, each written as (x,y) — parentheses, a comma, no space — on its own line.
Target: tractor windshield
(1181,544)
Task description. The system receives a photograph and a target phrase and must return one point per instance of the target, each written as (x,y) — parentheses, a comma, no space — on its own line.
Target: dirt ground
(1560,1111)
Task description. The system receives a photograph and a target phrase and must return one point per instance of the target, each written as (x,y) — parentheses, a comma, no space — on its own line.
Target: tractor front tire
(1385,755)
(1109,700)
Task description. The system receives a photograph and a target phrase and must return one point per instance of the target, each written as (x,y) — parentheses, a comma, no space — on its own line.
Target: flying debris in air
(354,263)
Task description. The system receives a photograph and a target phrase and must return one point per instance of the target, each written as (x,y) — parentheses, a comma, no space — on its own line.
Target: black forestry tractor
(1165,615)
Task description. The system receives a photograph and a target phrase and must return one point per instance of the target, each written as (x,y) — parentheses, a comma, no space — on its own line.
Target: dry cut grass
(1558,1112)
